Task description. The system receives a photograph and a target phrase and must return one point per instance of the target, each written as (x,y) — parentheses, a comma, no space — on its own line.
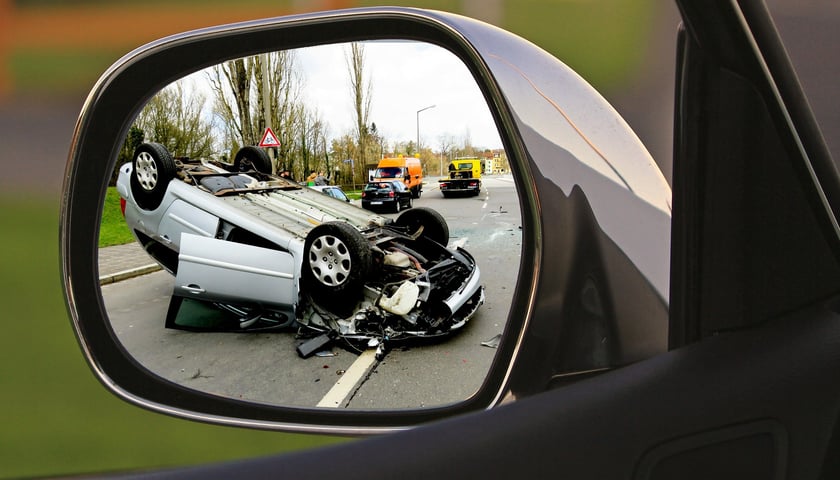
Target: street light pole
(418,124)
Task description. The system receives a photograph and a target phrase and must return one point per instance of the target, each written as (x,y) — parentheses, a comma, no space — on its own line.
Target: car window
(337,193)
(389,172)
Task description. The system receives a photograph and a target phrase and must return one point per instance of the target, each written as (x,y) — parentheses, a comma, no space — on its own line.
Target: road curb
(126,274)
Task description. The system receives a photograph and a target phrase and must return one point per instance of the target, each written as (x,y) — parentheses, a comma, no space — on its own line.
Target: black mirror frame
(107,114)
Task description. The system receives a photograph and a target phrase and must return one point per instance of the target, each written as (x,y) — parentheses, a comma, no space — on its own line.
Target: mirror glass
(334,226)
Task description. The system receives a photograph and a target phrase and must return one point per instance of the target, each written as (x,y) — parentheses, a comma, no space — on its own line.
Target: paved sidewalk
(124,261)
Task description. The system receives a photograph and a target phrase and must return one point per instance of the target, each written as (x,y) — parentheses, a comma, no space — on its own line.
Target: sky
(405,76)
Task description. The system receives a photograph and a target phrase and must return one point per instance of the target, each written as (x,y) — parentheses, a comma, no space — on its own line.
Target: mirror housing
(593,283)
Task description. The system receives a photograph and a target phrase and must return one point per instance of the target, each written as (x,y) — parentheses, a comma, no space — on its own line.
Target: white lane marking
(347,383)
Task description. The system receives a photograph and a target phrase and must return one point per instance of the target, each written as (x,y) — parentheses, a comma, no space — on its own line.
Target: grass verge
(113,230)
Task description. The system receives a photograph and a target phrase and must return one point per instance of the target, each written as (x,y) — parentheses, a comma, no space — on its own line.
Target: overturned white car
(270,253)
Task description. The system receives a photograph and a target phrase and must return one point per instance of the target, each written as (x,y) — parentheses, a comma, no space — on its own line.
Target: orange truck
(406,169)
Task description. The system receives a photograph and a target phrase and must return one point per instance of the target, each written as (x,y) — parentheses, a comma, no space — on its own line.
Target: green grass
(113,230)
(56,418)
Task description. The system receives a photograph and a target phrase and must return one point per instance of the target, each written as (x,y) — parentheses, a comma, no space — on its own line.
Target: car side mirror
(587,290)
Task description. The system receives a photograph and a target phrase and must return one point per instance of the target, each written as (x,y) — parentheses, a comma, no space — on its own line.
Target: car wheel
(252,158)
(153,168)
(433,223)
(410,203)
(397,205)
(337,261)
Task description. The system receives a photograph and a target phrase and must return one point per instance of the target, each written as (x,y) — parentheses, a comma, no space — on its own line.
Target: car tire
(433,223)
(410,203)
(337,261)
(152,169)
(397,205)
(252,158)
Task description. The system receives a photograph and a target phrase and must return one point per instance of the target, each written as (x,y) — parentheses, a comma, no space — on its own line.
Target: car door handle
(193,288)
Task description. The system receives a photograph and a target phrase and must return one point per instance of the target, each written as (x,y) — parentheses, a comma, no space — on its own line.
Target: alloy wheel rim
(147,172)
(329,259)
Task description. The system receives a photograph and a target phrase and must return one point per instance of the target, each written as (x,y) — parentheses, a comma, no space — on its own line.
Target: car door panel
(182,217)
(219,270)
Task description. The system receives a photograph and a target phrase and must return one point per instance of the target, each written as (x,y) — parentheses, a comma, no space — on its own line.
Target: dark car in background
(390,196)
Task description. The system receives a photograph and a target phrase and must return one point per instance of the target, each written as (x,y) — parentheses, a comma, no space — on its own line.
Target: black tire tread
(361,259)
(150,200)
(259,159)
(434,225)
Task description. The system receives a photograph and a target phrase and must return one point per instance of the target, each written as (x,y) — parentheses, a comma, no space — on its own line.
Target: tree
(287,115)
(468,147)
(175,117)
(133,140)
(234,108)
(408,148)
(377,140)
(446,143)
(361,91)
(342,149)
(255,92)
(312,149)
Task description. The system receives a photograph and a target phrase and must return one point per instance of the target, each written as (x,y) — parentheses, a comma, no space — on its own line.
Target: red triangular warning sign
(269,139)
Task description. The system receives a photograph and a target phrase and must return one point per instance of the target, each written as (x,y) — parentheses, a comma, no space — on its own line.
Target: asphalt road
(265,367)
